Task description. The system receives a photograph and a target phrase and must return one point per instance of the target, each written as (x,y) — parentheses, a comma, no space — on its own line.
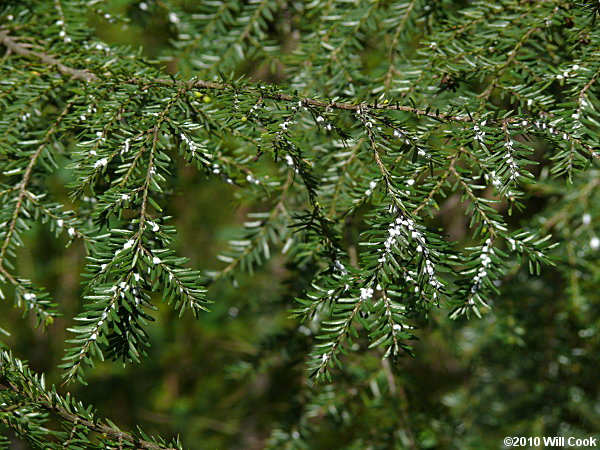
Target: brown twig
(21,49)
(16,47)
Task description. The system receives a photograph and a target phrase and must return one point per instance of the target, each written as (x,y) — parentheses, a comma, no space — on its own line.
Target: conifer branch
(393,50)
(21,49)
(388,185)
(13,45)
(48,401)
(22,186)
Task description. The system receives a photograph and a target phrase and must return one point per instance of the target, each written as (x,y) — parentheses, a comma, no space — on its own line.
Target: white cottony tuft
(339,267)
(100,163)
(586,219)
(366,293)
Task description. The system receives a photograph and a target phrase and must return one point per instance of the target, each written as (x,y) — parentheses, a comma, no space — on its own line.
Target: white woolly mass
(101,163)
(406,226)
(485,264)
(366,293)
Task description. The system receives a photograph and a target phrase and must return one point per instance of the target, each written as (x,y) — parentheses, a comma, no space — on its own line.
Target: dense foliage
(399,163)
